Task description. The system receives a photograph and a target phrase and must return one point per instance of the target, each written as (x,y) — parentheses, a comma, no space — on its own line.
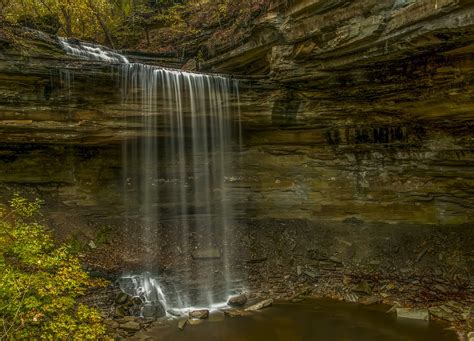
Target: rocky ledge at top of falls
(333,64)
(308,42)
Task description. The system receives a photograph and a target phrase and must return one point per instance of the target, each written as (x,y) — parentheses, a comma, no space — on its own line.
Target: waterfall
(175,177)
(89,51)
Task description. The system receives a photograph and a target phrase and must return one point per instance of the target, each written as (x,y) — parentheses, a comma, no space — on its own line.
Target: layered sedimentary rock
(373,115)
(356,115)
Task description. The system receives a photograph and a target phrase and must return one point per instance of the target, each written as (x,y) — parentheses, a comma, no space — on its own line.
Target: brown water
(309,320)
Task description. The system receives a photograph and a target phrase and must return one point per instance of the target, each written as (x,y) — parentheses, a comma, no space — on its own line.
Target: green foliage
(210,23)
(149,24)
(88,19)
(48,23)
(40,281)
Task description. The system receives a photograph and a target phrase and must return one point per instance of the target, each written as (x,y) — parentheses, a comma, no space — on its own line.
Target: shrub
(41,281)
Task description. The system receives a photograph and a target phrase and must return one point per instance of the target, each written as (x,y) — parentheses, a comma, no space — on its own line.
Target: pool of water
(308,320)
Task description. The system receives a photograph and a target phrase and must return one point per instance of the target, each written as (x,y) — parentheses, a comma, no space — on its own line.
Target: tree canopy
(95,20)
(129,23)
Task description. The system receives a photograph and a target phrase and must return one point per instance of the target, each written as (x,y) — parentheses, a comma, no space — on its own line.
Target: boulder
(260,305)
(119,312)
(237,301)
(153,310)
(111,324)
(363,287)
(370,300)
(131,326)
(236,313)
(414,314)
(121,298)
(182,324)
(443,313)
(199,314)
(352,298)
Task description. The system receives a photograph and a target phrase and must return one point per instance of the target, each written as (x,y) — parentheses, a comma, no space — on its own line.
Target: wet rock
(119,312)
(199,314)
(352,298)
(405,270)
(182,324)
(346,280)
(297,300)
(111,324)
(131,326)
(311,273)
(121,298)
(393,309)
(299,294)
(441,288)
(237,301)
(370,300)
(363,287)
(421,254)
(126,319)
(260,305)
(236,313)
(190,65)
(455,306)
(317,255)
(153,310)
(414,314)
(136,300)
(444,313)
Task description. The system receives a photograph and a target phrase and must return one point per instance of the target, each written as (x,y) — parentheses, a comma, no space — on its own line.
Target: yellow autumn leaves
(40,281)
(87,19)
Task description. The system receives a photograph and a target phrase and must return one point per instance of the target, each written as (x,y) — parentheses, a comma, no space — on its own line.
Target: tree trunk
(102,24)
(147,32)
(67,21)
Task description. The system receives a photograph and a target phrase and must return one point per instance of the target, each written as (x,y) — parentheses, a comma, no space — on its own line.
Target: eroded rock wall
(373,114)
(356,116)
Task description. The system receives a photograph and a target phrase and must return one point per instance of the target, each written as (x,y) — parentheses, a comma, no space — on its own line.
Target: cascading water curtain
(176,164)
(177,170)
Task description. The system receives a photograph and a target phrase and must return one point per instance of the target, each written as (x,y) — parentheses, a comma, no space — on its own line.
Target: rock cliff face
(372,116)
(354,113)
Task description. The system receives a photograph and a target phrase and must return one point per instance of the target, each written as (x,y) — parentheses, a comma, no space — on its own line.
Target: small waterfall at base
(176,176)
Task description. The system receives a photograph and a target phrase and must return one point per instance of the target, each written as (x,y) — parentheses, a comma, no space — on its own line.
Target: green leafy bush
(41,281)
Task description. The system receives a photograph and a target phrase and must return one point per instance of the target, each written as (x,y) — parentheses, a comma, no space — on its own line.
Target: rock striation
(356,116)
(372,113)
